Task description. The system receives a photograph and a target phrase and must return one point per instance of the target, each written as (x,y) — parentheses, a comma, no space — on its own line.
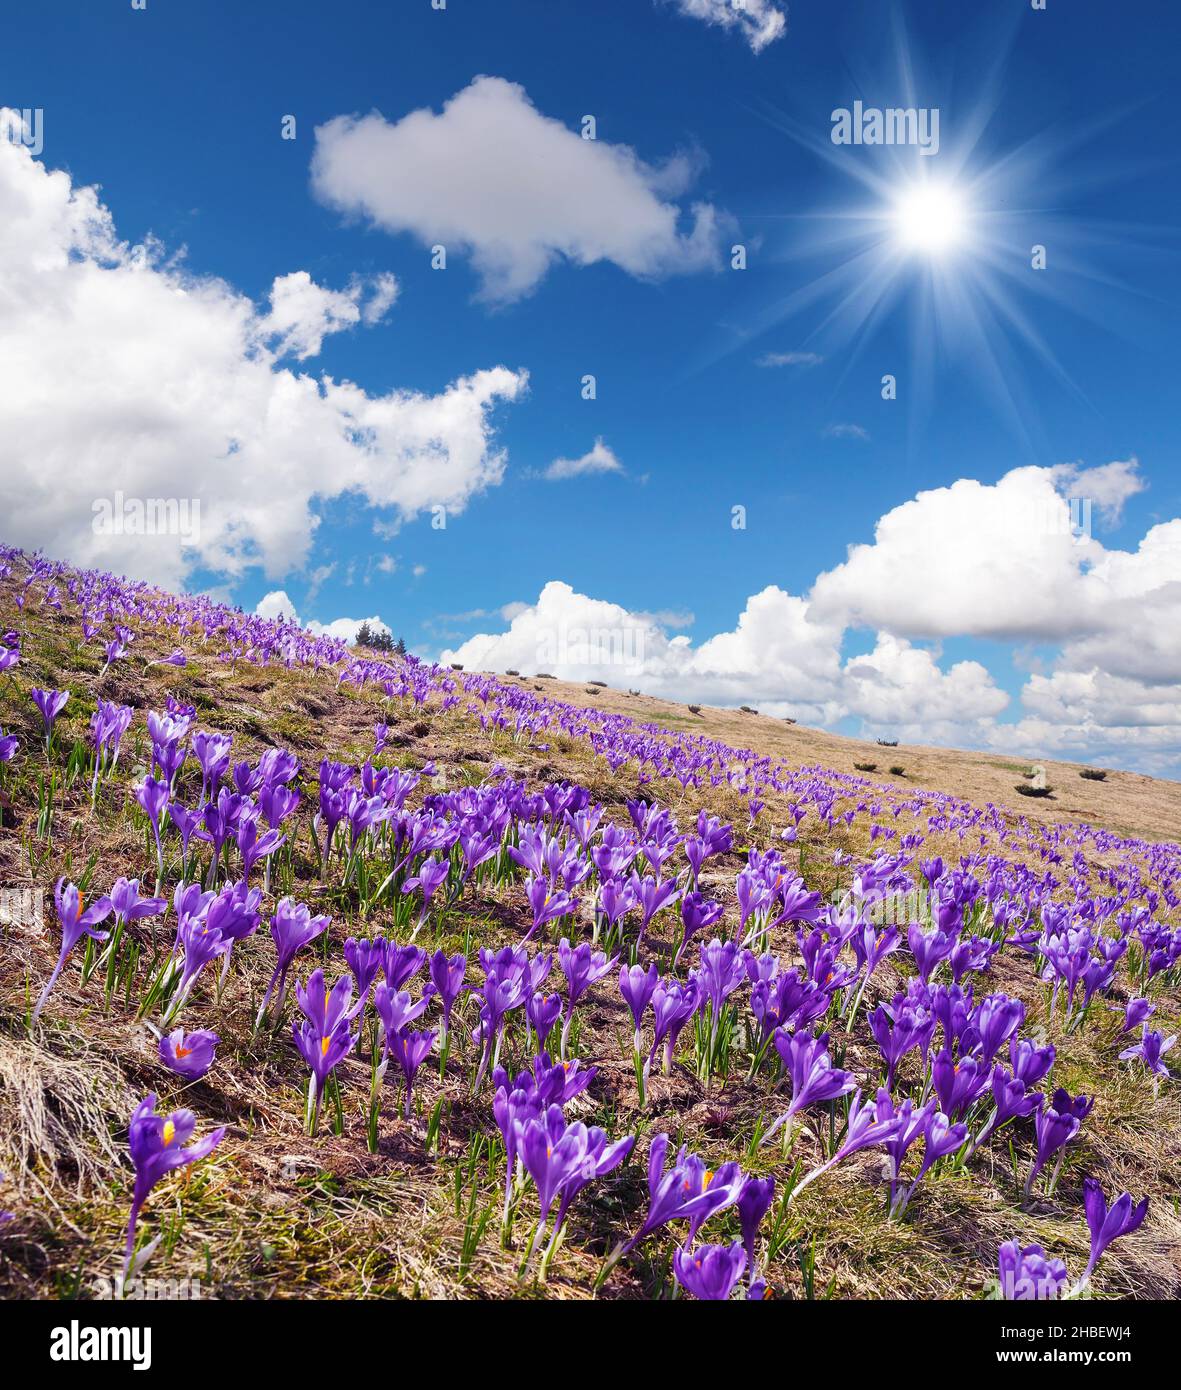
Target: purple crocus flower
(555,1083)
(157,1147)
(1136,1013)
(9,744)
(897,1029)
(50,703)
(710,1271)
(601,1157)
(867,1124)
(75,923)
(546,903)
(929,949)
(1030,1062)
(128,905)
(190,900)
(168,728)
(754,895)
(959,1084)
(252,846)
(636,985)
(971,955)
(512,1106)
(552,1152)
(477,846)
(212,752)
(234,915)
(276,802)
(114,651)
(753,1203)
(673,1005)
(397,1010)
(1012,1099)
(872,945)
(152,795)
(696,914)
(324,1038)
(543,1012)
(168,750)
(188,1054)
(931,869)
(432,873)
(940,1138)
(508,983)
(1055,1125)
(995,1020)
(175,658)
(402,963)
(277,767)
(292,928)
(221,818)
(324,1008)
(952,1006)
(787,1000)
(561,1158)
(410,1050)
(721,972)
(363,814)
(1078,1106)
(187,823)
(910,1123)
(582,968)
(1026,1273)
(364,958)
(108,724)
(688,1191)
(198,944)
(617,897)
(246,779)
(653,895)
(447,974)
(1150,1050)
(813,1077)
(1107,1223)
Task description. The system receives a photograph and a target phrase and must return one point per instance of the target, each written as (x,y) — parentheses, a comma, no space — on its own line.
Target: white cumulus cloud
(776,657)
(304,313)
(600,458)
(491,177)
(760,22)
(346,629)
(277,604)
(1005,561)
(123,369)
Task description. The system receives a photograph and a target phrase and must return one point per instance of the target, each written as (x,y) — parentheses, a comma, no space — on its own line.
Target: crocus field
(327,975)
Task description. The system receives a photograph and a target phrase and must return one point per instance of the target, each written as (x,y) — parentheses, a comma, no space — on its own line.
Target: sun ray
(945,241)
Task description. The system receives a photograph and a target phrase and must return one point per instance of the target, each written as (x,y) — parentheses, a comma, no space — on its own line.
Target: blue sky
(174,112)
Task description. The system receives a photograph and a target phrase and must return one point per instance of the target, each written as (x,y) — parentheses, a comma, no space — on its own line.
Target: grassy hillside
(412,1206)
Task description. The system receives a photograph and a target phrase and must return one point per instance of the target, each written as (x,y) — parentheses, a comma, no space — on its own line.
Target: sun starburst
(949,239)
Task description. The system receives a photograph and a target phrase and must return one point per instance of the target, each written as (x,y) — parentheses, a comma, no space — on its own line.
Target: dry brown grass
(1129,803)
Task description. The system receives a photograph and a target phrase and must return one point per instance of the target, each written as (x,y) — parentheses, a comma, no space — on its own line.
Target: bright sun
(930,219)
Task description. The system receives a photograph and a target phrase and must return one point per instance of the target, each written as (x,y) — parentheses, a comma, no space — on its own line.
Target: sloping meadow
(329,974)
